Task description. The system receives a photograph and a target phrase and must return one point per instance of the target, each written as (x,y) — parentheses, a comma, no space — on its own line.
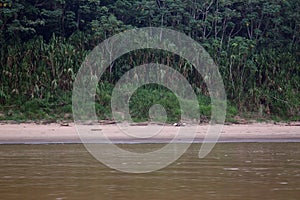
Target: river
(245,171)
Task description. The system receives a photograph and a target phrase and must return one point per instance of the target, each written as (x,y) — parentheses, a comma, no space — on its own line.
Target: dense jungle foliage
(255,43)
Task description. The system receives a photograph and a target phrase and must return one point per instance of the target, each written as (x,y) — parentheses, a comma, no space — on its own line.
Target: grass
(58,107)
(142,100)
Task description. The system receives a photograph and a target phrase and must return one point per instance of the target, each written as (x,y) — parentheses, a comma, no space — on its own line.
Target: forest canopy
(255,43)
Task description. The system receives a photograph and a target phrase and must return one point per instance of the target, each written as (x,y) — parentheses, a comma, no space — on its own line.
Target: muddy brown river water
(231,171)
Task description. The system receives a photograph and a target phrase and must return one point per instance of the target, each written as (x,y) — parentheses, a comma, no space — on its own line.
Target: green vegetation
(255,43)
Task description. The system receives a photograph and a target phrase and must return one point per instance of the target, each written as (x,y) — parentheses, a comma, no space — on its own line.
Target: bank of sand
(31,133)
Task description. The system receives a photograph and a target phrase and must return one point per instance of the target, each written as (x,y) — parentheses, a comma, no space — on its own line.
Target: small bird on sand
(179,124)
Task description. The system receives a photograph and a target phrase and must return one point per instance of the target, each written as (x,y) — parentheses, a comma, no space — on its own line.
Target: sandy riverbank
(56,133)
